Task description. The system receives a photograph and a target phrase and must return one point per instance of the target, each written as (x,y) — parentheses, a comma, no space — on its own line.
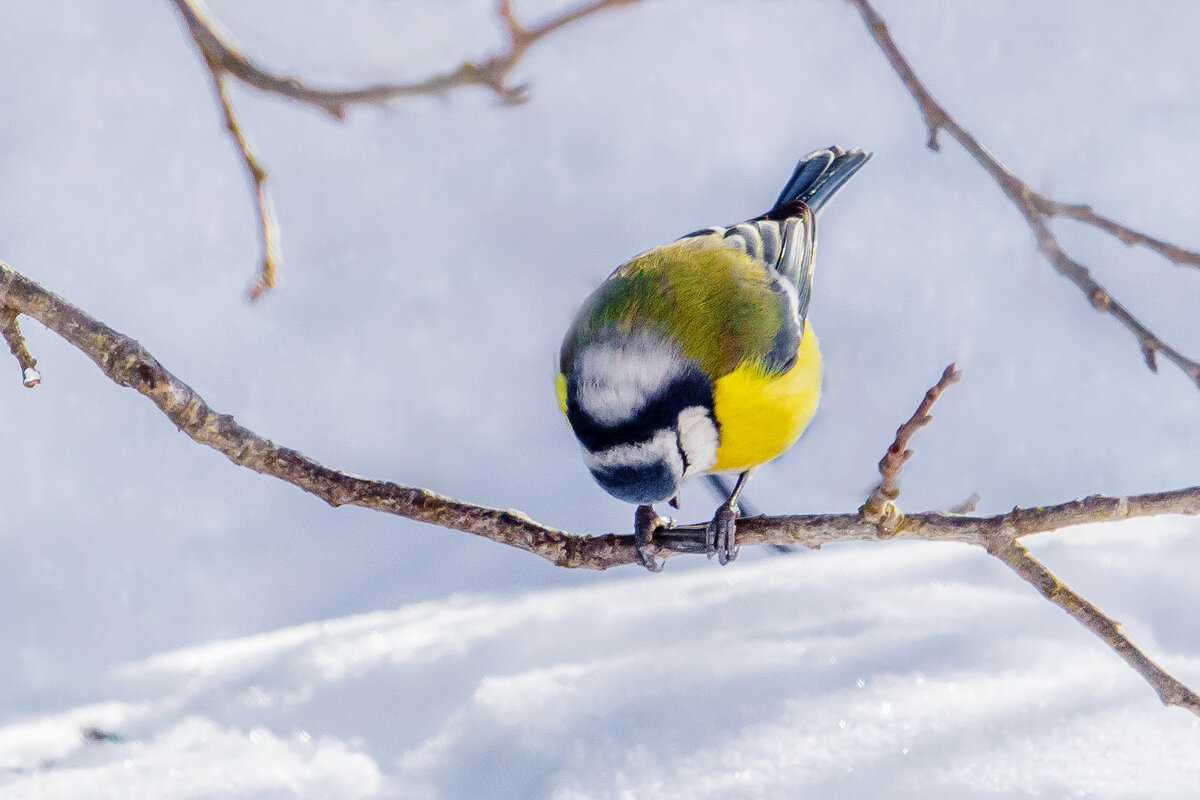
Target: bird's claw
(722,534)
(645,523)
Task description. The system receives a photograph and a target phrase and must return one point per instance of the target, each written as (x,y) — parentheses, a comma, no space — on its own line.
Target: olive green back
(713,301)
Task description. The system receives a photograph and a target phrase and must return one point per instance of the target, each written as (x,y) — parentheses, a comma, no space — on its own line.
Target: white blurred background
(435,252)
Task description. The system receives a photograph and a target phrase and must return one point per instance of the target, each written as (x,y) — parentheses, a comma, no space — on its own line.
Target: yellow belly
(759,415)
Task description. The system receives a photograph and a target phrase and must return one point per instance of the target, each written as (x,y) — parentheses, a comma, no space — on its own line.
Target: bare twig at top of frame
(1038,209)
(226,60)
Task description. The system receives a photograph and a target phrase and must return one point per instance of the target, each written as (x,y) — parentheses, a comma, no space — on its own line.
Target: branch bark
(226,60)
(1037,208)
(127,363)
(880,508)
(11,331)
(1020,561)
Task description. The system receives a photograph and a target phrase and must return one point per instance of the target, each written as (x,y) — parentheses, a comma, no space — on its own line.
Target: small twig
(268,226)
(1170,690)
(1081,212)
(966,506)
(225,59)
(491,72)
(880,508)
(11,330)
(129,364)
(1036,208)
(1002,543)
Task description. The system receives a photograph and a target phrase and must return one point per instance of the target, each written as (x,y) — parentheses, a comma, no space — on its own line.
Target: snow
(240,638)
(836,671)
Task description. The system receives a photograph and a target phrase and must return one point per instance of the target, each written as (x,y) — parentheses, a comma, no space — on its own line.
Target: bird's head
(643,413)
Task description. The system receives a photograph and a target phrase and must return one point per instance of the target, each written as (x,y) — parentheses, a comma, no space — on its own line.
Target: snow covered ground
(435,252)
(852,672)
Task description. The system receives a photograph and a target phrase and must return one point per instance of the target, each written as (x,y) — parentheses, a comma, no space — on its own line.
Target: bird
(698,356)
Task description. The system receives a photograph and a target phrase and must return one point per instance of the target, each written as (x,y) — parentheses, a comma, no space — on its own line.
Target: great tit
(697,356)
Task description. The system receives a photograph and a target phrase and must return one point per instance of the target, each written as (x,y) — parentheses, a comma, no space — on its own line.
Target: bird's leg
(645,522)
(722,531)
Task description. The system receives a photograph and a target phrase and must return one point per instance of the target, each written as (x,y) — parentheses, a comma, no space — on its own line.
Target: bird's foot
(722,533)
(645,523)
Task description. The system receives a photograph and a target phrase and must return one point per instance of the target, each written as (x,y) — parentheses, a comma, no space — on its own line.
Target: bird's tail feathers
(818,177)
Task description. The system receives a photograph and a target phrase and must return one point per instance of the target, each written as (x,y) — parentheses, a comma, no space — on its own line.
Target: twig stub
(11,330)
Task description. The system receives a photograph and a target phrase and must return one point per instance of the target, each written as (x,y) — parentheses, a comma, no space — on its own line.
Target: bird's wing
(783,245)
(704,294)
(784,249)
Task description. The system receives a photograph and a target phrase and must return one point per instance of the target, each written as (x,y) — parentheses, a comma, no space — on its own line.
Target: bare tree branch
(129,364)
(268,225)
(880,508)
(1036,208)
(1170,690)
(1081,212)
(225,59)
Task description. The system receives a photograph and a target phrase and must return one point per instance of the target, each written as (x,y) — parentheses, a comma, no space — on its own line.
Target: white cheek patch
(614,381)
(698,439)
(643,454)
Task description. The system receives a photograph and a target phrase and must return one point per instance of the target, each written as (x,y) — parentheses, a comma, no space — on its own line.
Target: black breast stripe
(692,388)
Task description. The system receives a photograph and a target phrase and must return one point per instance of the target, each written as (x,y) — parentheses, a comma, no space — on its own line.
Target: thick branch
(1036,208)
(129,364)
(225,59)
